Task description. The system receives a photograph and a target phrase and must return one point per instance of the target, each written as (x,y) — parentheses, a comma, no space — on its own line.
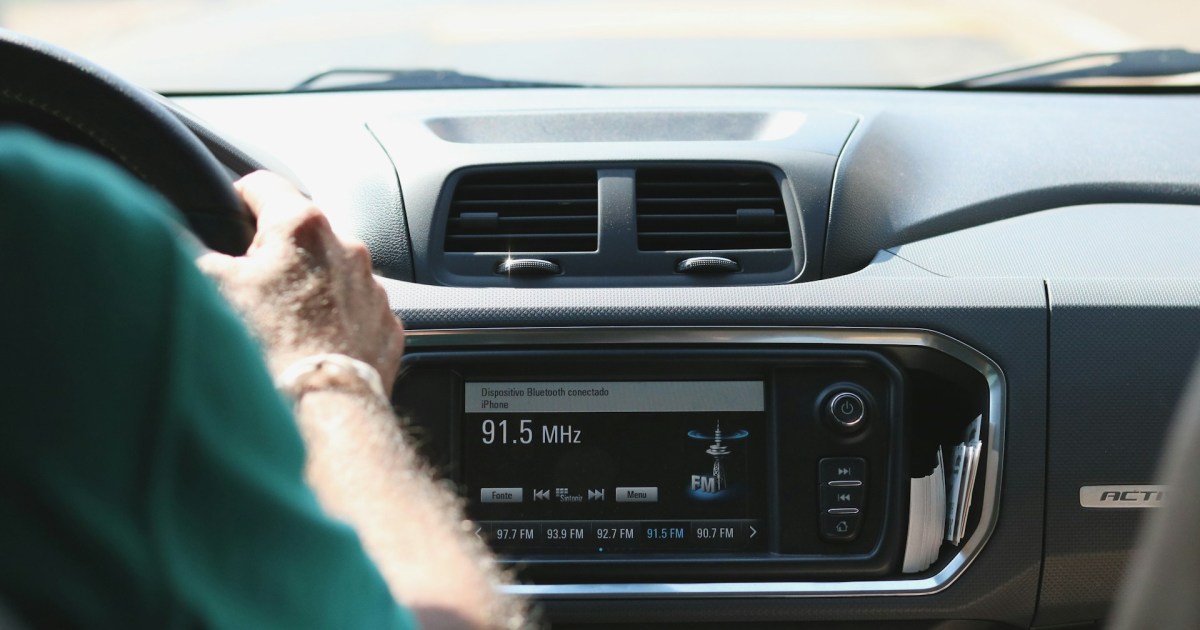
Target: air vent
(545,210)
(710,209)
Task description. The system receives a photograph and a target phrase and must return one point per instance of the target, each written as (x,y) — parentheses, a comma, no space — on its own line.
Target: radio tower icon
(718,452)
(703,485)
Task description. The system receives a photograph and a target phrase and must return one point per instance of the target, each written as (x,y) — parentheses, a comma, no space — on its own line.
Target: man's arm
(364,472)
(305,292)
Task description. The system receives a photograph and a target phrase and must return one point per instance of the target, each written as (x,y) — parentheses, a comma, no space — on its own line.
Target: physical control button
(842,471)
(840,526)
(837,497)
(847,410)
(843,491)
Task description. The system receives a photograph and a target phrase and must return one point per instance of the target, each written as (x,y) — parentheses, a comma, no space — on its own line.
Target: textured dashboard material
(1121,351)
(1004,319)
(1099,241)
(912,172)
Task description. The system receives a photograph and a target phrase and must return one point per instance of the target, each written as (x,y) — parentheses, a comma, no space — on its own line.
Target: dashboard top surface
(917,164)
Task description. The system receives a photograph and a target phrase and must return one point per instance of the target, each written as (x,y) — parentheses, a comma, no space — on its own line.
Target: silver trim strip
(701,335)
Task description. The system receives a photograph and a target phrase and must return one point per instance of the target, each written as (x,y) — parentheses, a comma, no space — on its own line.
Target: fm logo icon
(716,483)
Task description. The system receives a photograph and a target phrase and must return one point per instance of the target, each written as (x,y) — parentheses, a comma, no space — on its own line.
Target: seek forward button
(501,495)
(638,494)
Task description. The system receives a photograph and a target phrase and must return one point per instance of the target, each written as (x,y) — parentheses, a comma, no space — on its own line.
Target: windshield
(270,45)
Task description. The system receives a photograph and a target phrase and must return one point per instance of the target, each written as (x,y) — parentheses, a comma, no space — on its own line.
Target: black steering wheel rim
(60,93)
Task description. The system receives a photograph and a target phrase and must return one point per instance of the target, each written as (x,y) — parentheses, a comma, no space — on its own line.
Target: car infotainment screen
(598,467)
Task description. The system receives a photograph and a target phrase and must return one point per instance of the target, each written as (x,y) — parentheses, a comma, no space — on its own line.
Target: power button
(848,410)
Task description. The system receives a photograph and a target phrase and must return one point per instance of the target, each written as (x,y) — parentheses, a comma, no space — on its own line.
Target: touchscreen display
(601,467)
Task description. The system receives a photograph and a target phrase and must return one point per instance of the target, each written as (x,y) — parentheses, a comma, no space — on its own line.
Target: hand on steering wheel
(302,289)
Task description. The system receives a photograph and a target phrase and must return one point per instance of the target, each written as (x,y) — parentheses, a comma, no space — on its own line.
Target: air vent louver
(709,209)
(544,210)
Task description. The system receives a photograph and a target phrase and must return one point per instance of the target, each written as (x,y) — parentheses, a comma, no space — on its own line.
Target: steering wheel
(73,100)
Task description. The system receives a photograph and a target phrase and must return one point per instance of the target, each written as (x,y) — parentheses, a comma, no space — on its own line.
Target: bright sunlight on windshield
(252,45)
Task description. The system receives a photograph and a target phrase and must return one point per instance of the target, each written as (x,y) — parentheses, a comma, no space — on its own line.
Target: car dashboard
(689,353)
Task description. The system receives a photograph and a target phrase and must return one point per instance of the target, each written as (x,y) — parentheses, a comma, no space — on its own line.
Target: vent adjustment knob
(708,264)
(528,267)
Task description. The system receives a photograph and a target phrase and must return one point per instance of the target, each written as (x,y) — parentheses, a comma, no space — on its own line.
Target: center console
(703,459)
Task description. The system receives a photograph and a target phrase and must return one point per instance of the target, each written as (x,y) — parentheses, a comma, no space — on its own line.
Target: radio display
(599,467)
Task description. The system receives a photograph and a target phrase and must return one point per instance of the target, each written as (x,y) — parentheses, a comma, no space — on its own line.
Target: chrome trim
(1146,496)
(862,406)
(701,335)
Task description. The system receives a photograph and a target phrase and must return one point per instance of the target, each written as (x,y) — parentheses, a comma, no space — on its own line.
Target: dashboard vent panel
(683,208)
(527,210)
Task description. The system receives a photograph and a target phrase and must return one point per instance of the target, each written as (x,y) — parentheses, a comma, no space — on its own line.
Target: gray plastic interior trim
(1090,241)
(428,165)
(501,337)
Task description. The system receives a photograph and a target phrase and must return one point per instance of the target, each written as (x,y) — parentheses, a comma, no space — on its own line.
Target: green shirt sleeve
(150,475)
